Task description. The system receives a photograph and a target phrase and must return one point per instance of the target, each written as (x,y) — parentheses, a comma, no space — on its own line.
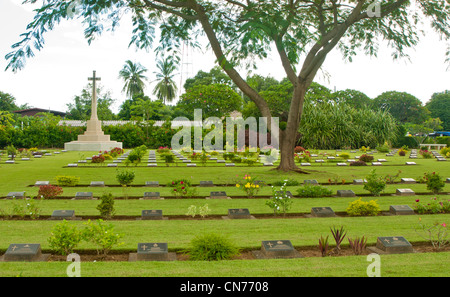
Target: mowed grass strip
(246,234)
(400,265)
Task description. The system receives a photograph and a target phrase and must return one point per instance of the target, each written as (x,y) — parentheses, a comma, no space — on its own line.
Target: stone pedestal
(94,139)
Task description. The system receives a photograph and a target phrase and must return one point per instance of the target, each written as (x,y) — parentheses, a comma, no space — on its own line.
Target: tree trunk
(289,135)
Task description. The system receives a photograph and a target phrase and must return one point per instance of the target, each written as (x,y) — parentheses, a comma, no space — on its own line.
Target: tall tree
(166,88)
(240,33)
(134,79)
(439,106)
(403,106)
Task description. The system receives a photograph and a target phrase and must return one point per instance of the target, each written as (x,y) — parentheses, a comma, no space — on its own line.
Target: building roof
(34,111)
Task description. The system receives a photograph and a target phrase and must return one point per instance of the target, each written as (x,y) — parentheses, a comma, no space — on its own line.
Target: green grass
(246,234)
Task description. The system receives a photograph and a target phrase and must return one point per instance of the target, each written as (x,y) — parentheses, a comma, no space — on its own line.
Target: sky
(60,71)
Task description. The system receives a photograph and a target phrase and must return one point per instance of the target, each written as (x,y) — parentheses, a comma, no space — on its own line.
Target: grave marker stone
(24,252)
(154,251)
(278,249)
(41,183)
(310,181)
(239,213)
(359,181)
(322,212)
(63,215)
(153,214)
(401,210)
(16,195)
(84,195)
(218,195)
(97,184)
(152,184)
(152,195)
(404,192)
(408,180)
(392,245)
(345,193)
(206,183)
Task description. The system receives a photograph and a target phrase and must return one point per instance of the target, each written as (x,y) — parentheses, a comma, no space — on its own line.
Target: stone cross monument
(93,139)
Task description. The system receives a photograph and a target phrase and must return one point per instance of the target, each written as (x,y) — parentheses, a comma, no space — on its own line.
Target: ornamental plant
(212,247)
(182,188)
(363,208)
(434,182)
(67,181)
(64,238)
(247,184)
(102,235)
(49,191)
(375,184)
(106,206)
(436,233)
(426,154)
(433,207)
(280,202)
(366,158)
(98,159)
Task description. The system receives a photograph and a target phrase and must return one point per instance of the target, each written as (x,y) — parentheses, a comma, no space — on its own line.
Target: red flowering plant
(182,188)
(49,191)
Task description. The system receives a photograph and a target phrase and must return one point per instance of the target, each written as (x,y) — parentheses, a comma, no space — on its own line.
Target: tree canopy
(241,33)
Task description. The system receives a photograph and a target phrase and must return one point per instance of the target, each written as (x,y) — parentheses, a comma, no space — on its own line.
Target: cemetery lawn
(179,229)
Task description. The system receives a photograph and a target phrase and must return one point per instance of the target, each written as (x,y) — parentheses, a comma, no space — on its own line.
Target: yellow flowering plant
(249,185)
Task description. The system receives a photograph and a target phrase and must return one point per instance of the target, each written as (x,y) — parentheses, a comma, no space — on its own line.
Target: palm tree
(133,76)
(166,88)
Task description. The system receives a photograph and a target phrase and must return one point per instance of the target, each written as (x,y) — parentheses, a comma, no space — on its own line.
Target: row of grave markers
(233,213)
(159,251)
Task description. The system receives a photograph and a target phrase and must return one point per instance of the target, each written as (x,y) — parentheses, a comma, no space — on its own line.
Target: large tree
(166,88)
(439,106)
(240,33)
(134,79)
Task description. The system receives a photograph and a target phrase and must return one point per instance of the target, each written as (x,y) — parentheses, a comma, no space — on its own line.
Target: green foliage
(435,182)
(312,191)
(67,181)
(280,202)
(136,155)
(432,207)
(288,182)
(436,233)
(375,184)
(182,188)
(214,100)
(102,235)
(439,105)
(212,247)
(106,206)
(64,238)
(384,148)
(168,158)
(49,191)
(248,185)
(125,177)
(363,208)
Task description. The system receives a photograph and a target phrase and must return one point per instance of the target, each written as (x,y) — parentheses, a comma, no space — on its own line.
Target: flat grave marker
(64,215)
(24,252)
(97,184)
(404,192)
(152,184)
(392,245)
(41,183)
(311,181)
(152,214)
(359,181)
(322,212)
(345,193)
(239,213)
(152,251)
(152,195)
(84,195)
(16,195)
(401,210)
(218,195)
(206,183)
(277,249)
(407,180)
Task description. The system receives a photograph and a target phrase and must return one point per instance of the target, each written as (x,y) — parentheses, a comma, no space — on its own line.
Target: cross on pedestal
(94,96)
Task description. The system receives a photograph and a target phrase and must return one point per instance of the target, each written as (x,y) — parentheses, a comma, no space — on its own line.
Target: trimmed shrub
(375,184)
(358,163)
(366,158)
(212,247)
(434,182)
(67,181)
(313,191)
(363,208)
(64,238)
(49,191)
